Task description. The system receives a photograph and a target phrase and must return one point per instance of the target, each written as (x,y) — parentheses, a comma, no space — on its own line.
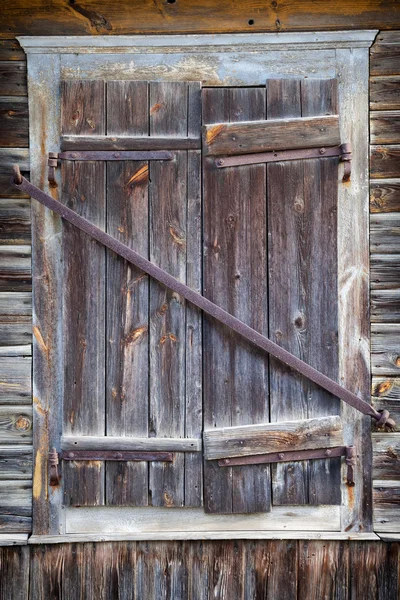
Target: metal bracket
(295,455)
(54,478)
(343,152)
(109,155)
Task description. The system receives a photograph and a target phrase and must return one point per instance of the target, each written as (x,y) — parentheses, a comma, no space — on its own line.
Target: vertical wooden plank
(353,277)
(127,295)
(288,282)
(236,375)
(168,238)
(14,568)
(43,83)
(319,97)
(324,569)
(83,190)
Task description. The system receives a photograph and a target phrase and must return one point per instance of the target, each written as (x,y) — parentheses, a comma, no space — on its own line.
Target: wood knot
(23,423)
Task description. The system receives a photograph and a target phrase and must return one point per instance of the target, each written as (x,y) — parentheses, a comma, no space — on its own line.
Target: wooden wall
(385,271)
(234,570)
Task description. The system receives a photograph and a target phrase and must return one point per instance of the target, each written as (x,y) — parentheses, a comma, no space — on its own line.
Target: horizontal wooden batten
(247,440)
(386,456)
(275,134)
(103,142)
(385,233)
(385,127)
(130,444)
(283,457)
(15,462)
(385,161)
(384,195)
(117,456)
(385,306)
(385,271)
(15,379)
(384,93)
(156,520)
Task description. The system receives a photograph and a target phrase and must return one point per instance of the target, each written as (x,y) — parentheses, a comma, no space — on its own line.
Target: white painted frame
(223,59)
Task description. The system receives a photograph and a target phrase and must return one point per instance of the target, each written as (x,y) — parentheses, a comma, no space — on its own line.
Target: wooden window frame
(223,60)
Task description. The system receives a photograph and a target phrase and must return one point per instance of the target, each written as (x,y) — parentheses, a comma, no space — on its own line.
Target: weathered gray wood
(13,78)
(322,570)
(384,93)
(16,425)
(385,348)
(386,456)
(384,59)
(236,375)
(385,161)
(15,221)
(385,306)
(247,440)
(386,496)
(129,142)
(385,233)
(262,136)
(15,318)
(15,269)
(385,271)
(386,395)
(127,330)
(87,442)
(10,156)
(384,195)
(14,122)
(16,350)
(83,190)
(15,380)
(15,462)
(385,127)
(16,498)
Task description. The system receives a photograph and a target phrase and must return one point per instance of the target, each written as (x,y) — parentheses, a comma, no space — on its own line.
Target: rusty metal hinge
(54,478)
(108,155)
(348,452)
(343,152)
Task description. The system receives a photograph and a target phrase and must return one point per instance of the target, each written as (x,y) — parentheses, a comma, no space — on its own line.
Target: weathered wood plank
(13,78)
(386,395)
(386,496)
(88,442)
(16,350)
(234,260)
(15,568)
(195,17)
(83,190)
(385,126)
(107,519)
(322,570)
(262,136)
(384,59)
(387,37)
(376,562)
(15,380)
(384,195)
(15,318)
(16,498)
(385,306)
(385,271)
(385,348)
(11,50)
(385,161)
(15,269)
(15,425)
(10,156)
(15,221)
(386,456)
(114,142)
(247,440)
(385,233)
(14,122)
(384,93)
(127,329)
(15,462)
(7,190)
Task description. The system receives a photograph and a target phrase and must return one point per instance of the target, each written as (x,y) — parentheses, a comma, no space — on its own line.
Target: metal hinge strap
(195,298)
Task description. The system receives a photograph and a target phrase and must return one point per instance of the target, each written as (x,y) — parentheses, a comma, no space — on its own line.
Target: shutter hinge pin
(54,477)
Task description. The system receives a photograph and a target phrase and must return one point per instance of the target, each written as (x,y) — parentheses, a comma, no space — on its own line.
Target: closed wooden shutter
(144,370)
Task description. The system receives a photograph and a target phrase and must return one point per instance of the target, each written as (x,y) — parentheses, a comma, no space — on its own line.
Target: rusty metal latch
(108,155)
(343,152)
(349,452)
(54,478)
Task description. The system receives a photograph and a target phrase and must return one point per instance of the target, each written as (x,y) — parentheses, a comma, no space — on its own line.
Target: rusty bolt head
(73,155)
(328,452)
(71,454)
(281,456)
(118,455)
(220,162)
(117,155)
(227,461)
(322,151)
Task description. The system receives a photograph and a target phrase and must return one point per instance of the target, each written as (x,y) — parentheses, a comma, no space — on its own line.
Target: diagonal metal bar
(201,302)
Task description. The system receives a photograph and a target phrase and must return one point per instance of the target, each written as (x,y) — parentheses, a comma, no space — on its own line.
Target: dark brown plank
(11,50)
(385,127)
(15,269)
(83,190)
(384,59)
(234,263)
(9,191)
(168,237)
(377,570)
(14,122)
(13,81)
(385,161)
(384,93)
(127,331)
(323,570)
(15,221)
(193,16)
(15,570)
(384,195)
(263,136)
